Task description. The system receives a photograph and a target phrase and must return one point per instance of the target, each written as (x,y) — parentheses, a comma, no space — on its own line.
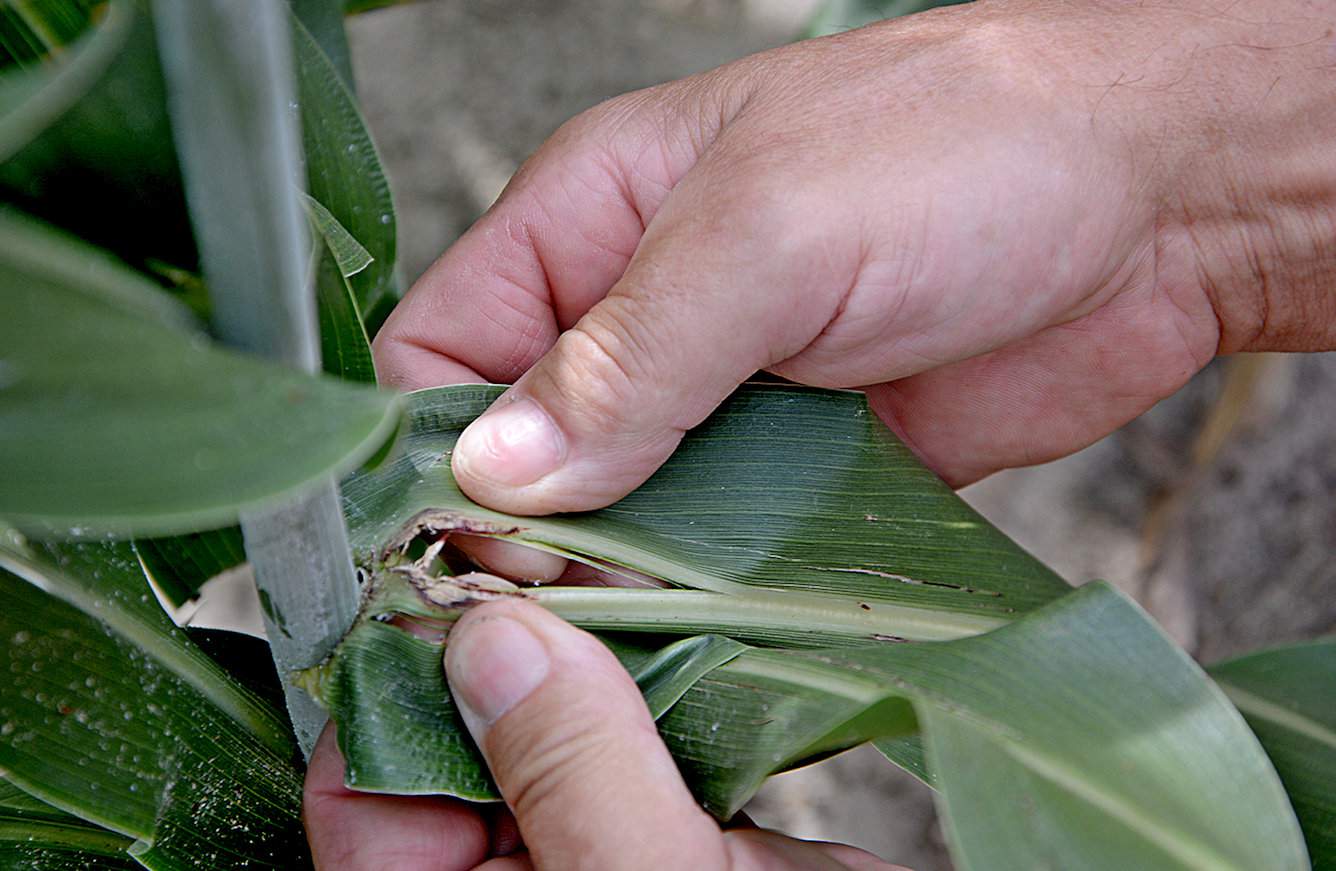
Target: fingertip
(493,662)
(515,460)
(510,560)
(513,444)
(571,732)
(560,640)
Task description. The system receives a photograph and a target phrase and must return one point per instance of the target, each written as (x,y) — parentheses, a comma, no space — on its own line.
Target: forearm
(1227,115)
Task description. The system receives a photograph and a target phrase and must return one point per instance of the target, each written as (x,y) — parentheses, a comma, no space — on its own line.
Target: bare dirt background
(1214,510)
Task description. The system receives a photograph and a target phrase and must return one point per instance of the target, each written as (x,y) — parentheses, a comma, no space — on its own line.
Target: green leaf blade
(1077,736)
(173,435)
(343,169)
(853,514)
(180,565)
(345,348)
(323,19)
(121,725)
(667,675)
(105,579)
(1288,696)
(60,844)
(402,736)
(1114,743)
(32,98)
(106,169)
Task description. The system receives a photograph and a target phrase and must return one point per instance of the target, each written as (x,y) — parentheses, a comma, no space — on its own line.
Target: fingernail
(492,665)
(513,444)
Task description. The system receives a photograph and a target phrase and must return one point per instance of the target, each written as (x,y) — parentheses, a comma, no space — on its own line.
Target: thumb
(572,745)
(686,324)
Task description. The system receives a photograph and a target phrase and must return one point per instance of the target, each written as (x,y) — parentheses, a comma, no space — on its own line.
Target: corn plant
(199,239)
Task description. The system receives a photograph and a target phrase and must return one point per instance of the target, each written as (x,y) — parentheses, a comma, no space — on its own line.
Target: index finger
(352,830)
(550,248)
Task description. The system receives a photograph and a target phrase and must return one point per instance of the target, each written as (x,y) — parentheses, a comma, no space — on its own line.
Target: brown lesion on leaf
(905,579)
(419,582)
(460,591)
(433,575)
(435,522)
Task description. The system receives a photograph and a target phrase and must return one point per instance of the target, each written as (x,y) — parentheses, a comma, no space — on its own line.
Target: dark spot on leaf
(275,616)
(962,588)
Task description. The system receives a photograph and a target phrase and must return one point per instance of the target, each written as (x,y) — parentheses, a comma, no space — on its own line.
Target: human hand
(1021,223)
(576,756)
(1017,224)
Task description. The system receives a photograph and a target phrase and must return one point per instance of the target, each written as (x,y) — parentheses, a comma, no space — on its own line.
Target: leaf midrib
(1173,841)
(1252,705)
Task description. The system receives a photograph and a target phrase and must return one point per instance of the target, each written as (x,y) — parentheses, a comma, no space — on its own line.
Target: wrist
(1225,123)
(1252,211)
(1246,206)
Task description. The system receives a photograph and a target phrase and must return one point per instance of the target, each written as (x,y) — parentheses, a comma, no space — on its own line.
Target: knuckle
(771,203)
(607,359)
(604,122)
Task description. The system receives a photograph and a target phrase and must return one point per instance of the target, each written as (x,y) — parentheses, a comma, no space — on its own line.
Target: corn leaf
(323,19)
(105,579)
(353,7)
(172,434)
(345,349)
(1082,737)
(1063,729)
(180,565)
(107,169)
(343,168)
(349,255)
(112,715)
(34,834)
(38,31)
(1078,736)
(55,55)
(665,675)
(784,489)
(908,753)
(1288,696)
